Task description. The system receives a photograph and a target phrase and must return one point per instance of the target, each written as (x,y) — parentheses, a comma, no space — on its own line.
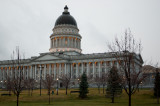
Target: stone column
(60,42)
(111,64)
(35,70)
(2,70)
(49,69)
(72,42)
(32,72)
(75,43)
(7,71)
(71,70)
(0,74)
(105,67)
(55,71)
(93,69)
(44,71)
(27,72)
(11,73)
(60,69)
(64,44)
(53,43)
(23,71)
(87,69)
(31,76)
(68,69)
(82,68)
(39,72)
(67,42)
(99,68)
(8,75)
(65,68)
(4,73)
(117,65)
(76,70)
(80,44)
(15,71)
(56,42)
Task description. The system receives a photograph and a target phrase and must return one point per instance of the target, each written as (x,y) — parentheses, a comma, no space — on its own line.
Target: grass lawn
(142,98)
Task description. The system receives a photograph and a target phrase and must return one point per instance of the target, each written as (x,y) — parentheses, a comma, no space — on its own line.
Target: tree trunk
(157,97)
(9,92)
(113,98)
(17,100)
(99,89)
(49,97)
(31,92)
(28,92)
(66,90)
(103,89)
(129,87)
(158,100)
(129,99)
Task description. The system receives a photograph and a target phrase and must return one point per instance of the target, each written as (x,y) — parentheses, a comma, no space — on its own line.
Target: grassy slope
(142,98)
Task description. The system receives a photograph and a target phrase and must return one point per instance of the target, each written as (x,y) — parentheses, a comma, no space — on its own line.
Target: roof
(149,69)
(66,18)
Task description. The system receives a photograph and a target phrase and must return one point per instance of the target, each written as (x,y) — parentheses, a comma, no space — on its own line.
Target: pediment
(47,57)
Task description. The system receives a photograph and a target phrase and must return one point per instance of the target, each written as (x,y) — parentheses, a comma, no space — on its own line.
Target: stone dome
(66,18)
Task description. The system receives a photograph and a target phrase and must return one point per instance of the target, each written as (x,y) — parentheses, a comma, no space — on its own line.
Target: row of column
(66,42)
(92,69)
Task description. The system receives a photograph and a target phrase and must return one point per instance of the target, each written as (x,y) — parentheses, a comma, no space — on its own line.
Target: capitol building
(64,57)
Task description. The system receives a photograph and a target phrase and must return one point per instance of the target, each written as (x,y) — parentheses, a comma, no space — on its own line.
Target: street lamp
(1,83)
(141,85)
(78,82)
(57,86)
(40,67)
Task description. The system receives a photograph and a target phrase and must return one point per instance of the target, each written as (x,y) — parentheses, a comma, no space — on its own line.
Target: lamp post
(40,67)
(141,85)
(57,86)
(1,83)
(78,82)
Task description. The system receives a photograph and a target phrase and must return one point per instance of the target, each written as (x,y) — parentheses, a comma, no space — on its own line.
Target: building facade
(150,73)
(64,57)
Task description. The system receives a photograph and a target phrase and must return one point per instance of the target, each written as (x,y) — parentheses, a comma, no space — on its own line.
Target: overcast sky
(29,23)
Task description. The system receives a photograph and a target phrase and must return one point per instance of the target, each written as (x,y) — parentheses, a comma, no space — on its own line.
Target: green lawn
(142,98)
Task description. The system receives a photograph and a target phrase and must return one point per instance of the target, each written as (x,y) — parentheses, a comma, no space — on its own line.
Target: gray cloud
(28,24)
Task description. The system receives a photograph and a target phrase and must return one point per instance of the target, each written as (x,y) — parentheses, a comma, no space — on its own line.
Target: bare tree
(97,81)
(127,51)
(66,80)
(100,81)
(29,84)
(48,83)
(17,80)
(90,80)
(104,80)
(8,84)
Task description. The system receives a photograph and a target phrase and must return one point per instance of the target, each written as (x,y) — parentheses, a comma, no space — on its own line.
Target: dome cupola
(66,18)
(65,36)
